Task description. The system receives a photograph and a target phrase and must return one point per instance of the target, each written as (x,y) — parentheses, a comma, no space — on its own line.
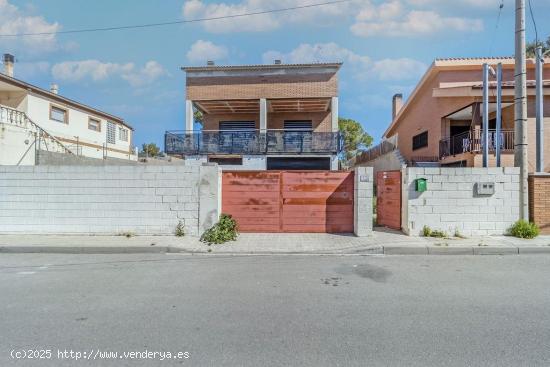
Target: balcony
(472,142)
(251,142)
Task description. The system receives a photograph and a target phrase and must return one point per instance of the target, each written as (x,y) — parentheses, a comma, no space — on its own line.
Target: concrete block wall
(363,196)
(451,202)
(108,199)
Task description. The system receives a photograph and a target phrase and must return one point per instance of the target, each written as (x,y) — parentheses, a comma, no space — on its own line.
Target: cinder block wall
(451,202)
(363,201)
(539,201)
(108,199)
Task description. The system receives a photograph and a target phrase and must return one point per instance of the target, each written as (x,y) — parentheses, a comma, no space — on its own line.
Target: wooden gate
(388,199)
(289,201)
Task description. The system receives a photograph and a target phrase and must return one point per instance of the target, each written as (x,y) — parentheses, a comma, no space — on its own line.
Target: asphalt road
(277,310)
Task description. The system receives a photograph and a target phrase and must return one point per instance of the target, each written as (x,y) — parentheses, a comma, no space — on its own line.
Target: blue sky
(385,46)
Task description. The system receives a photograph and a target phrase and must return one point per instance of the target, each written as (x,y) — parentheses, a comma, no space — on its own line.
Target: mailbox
(421,184)
(485,188)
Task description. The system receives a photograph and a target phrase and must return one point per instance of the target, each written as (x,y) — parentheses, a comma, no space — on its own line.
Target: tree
(198,116)
(150,150)
(354,138)
(532,46)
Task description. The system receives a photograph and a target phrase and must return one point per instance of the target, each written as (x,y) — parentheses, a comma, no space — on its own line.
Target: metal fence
(472,142)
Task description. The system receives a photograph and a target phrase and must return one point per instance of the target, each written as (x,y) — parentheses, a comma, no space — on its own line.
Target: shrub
(223,231)
(426,231)
(180,229)
(524,229)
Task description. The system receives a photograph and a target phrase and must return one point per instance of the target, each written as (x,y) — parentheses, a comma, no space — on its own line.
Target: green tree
(354,137)
(150,150)
(532,46)
(198,116)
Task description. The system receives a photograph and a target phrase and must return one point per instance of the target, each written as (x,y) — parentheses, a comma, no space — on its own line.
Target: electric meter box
(421,184)
(485,188)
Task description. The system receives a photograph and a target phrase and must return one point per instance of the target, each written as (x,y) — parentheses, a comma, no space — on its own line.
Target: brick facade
(539,201)
(321,121)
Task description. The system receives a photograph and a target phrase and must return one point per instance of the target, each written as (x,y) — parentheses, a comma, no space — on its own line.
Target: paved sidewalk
(381,242)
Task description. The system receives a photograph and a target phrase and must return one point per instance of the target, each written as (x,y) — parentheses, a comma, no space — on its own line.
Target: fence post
(362,203)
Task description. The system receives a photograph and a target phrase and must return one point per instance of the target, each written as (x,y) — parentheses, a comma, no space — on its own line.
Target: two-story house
(33,119)
(441,122)
(261,117)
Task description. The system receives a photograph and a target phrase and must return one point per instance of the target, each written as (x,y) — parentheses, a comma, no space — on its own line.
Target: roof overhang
(467,113)
(273,105)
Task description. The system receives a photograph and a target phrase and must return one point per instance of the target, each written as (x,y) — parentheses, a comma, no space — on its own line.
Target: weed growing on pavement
(180,230)
(223,231)
(127,234)
(428,232)
(524,229)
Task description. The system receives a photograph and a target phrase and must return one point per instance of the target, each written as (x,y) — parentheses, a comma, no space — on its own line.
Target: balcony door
(236,136)
(298,135)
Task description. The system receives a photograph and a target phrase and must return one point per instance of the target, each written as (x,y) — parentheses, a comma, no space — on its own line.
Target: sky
(385,46)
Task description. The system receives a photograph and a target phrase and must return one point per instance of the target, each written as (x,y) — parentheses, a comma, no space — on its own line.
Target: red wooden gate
(289,201)
(388,199)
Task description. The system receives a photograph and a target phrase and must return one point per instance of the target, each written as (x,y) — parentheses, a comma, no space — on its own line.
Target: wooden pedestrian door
(388,199)
(289,201)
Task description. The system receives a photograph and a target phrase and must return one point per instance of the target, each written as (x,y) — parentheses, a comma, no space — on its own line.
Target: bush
(428,232)
(223,231)
(180,229)
(524,229)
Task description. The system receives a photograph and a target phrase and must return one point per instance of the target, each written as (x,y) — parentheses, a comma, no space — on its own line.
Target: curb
(373,250)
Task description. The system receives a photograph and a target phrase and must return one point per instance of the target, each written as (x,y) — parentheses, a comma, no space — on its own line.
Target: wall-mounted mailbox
(485,188)
(421,184)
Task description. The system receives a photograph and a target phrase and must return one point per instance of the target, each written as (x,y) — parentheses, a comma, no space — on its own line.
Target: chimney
(210,63)
(397,103)
(277,62)
(54,88)
(8,64)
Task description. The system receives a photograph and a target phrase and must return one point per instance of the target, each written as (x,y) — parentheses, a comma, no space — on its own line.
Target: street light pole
(485,136)
(520,110)
(540,107)
(498,137)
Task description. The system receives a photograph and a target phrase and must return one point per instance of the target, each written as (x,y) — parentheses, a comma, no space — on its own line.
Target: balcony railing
(250,142)
(472,142)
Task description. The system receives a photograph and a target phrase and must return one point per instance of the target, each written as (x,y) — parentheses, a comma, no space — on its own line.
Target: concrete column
(189,118)
(363,193)
(210,187)
(334,108)
(263,115)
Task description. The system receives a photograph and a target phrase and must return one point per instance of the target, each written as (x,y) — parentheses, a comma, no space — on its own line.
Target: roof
(261,67)
(459,63)
(61,99)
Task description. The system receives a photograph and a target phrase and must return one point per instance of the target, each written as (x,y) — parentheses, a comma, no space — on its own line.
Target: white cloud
(202,51)
(391,19)
(14,21)
(97,71)
(195,9)
(398,69)
(361,66)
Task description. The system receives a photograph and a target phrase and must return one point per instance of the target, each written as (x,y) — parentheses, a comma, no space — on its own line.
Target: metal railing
(43,139)
(250,142)
(472,142)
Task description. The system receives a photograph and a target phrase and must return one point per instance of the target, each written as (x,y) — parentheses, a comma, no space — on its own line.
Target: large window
(420,140)
(94,124)
(59,114)
(111,132)
(122,134)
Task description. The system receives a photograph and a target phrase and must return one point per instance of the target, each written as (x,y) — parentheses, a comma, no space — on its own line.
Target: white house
(34,119)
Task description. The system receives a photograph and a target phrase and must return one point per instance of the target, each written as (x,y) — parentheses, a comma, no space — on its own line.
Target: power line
(534,24)
(149,25)
(501,6)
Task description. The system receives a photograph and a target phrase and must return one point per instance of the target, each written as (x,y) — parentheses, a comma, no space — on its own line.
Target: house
(261,117)
(441,122)
(34,120)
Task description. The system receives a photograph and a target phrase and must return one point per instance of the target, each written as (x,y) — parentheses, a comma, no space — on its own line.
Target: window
(237,125)
(226,161)
(122,134)
(59,114)
(298,125)
(94,124)
(111,132)
(420,140)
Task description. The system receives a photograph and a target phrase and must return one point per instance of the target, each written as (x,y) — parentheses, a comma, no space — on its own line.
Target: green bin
(421,184)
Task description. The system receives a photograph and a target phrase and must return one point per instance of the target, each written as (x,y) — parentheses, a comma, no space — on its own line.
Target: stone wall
(451,202)
(108,199)
(46,158)
(539,201)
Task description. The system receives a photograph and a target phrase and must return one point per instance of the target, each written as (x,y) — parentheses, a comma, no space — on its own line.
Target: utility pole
(485,136)
(498,133)
(540,107)
(520,111)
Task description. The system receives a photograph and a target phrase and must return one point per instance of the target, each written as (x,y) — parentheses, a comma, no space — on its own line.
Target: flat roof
(59,98)
(261,67)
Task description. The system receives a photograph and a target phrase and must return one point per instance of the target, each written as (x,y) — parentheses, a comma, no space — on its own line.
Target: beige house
(441,122)
(279,116)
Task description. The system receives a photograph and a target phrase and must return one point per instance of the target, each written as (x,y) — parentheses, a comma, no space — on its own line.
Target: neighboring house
(258,117)
(33,119)
(441,122)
